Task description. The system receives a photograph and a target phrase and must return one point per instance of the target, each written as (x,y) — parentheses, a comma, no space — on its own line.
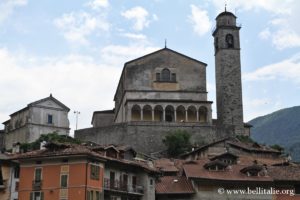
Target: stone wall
(145,137)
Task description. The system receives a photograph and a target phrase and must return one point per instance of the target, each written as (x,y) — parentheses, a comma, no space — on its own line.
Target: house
(234,145)
(71,171)
(229,176)
(9,178)
(44,116)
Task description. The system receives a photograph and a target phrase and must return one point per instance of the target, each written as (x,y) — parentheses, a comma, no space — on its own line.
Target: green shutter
(31,195)
(42,195)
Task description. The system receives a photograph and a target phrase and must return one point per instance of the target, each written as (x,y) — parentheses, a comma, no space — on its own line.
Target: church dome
(226,13)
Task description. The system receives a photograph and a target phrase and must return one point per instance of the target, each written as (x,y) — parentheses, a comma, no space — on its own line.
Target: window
(64,180)
(97,195)
(157,76)
(50,119)
(134,181)
(229,41)
(36,196)
(17,186)
(151,181)
(165,75)
(38,175)
(17,172)
(95,169)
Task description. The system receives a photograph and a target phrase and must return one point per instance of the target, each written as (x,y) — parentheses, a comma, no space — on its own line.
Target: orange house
(61,172)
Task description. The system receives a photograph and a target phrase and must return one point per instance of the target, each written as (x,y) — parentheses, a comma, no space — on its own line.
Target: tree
(277,147)
(50,137)
(177,142)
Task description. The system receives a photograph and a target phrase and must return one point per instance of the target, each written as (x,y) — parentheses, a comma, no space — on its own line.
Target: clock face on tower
(229,41)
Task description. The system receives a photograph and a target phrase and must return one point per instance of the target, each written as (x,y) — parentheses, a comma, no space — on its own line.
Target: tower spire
(165,43)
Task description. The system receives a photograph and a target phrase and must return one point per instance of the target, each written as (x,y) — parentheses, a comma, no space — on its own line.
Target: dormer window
(166,76)
(253,170)
(215,165)
(227,158)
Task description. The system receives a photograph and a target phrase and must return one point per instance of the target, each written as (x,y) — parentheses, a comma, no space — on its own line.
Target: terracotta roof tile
(231,173)
(174,185)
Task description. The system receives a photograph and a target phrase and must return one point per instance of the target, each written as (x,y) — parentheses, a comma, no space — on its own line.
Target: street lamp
(76,114)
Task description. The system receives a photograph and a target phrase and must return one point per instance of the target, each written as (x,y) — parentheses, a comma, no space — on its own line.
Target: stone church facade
(166,91)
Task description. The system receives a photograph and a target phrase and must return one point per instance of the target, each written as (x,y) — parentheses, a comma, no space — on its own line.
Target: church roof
(161,50)
(40,101)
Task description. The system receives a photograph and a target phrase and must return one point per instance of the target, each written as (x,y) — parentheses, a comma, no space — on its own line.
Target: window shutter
(42,195)
(31,195)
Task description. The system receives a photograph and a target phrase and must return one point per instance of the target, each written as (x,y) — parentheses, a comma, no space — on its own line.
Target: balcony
(119,186)
(37,184)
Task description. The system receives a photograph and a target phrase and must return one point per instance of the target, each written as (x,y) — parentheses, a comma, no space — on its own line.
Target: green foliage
(51,137)
(245,139)
(277,147)
(177,142)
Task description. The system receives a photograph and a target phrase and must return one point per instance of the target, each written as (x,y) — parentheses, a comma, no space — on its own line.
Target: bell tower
(228,72)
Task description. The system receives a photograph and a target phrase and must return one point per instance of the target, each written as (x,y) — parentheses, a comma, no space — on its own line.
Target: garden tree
(177,142)
(50,137)
(277,147)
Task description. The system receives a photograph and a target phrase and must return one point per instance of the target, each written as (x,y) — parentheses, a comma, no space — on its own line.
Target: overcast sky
(76,49)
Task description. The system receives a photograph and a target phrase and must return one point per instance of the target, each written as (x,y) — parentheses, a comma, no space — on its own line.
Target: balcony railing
(120,186)
(37,184)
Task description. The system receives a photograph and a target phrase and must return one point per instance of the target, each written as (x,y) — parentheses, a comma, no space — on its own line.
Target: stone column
(197,111)
(186,115)
(142,116)
(175,116)
(152,114)
(164,114)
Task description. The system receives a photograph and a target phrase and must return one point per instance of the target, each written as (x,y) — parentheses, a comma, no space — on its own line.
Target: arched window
(136,113)
(165,75)
(229,41)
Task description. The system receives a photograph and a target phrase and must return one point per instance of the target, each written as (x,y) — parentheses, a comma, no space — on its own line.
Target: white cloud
(288,69)
(98,4)
(200,20)
(139,15)
(265,34)
(286,38)
(284,24)
(7,7)
(135,36)
(76,27)
(276,6)
(79,81)
(118,54)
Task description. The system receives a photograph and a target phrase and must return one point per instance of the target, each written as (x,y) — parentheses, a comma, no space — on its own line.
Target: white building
(44,116)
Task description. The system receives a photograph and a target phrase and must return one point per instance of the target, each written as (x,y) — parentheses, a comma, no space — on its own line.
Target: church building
(165,91)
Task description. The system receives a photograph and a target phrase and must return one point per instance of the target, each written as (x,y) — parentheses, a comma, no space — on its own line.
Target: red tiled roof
(174,185)
(285,173)
(165,165)
(232,173)
(75,149)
